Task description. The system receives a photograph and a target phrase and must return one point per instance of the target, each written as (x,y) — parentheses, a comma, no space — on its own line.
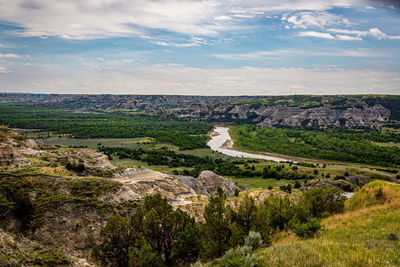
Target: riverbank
(222,142)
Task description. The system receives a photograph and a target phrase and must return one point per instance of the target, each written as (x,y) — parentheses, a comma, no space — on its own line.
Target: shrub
(243,256)
(322,201)
(379,195)
(155,235)
(393,237)
(253,240)
(308,229)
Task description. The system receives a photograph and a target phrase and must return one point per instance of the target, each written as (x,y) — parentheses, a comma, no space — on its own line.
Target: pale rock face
(208,181)
(14,148)
(292,116)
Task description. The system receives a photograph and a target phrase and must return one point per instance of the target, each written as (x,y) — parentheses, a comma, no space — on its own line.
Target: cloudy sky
(196,47)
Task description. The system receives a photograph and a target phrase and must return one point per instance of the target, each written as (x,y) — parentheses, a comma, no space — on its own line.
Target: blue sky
(212,47)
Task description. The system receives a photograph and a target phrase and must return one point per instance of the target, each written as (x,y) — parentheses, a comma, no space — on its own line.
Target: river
(221,141)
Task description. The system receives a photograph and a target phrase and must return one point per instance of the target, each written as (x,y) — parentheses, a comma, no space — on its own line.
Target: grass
(260,182)
(389,144)
(354,238)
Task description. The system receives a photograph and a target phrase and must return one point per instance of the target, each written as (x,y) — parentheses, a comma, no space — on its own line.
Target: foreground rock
(14,148)
(20,251)
(208,181)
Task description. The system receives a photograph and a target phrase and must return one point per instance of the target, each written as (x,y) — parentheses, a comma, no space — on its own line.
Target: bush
(322,201)
(253,240)
(393,237)
(308,229)
(379,195)
(155,235)
(240,257)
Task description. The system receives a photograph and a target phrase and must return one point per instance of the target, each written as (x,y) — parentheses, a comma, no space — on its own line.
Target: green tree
(220,231)
(172,234)
(246,214)
(155,235)
(321,201)
(117,239)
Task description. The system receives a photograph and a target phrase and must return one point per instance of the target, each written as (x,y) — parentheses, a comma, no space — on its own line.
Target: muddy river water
(221,141)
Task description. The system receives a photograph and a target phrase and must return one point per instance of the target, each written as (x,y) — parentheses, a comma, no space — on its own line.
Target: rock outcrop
(89,157)
(14,148)
(16,250)
(208,181)
(271,116)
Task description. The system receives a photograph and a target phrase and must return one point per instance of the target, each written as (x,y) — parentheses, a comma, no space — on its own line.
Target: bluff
(61,207)
(271,116)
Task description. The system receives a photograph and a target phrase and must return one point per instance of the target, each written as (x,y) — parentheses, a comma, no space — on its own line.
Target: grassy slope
(357,237)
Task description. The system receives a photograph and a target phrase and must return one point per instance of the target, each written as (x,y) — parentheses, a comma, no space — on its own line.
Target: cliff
(289,116)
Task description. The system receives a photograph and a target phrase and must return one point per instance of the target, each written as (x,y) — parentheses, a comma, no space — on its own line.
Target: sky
(196,47)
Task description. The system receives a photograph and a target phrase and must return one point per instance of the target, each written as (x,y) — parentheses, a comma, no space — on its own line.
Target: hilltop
(292,111)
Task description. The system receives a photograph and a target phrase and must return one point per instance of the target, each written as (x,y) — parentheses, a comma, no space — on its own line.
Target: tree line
(115,124)
(349,145)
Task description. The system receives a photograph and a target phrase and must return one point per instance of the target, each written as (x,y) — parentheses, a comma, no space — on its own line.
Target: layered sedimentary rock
(271,116)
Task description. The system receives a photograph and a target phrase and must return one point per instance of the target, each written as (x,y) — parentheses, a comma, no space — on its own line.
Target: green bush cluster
(158,235)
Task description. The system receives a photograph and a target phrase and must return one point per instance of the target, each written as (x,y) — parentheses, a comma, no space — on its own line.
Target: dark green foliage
(117,239)
(286,188)
(322,201)
(353,145)
(379,195)
(166,157)
(221,232)
(80,167)
(186,135)
(155,235)
(246,215)
(393,237)
(307,229)
(276,212)
(23,208)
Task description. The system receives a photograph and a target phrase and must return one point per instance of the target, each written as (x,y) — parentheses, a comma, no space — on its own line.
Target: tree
(155,235)
(117,239)
(246,214)
(172,234)
(220,231)
(322,201)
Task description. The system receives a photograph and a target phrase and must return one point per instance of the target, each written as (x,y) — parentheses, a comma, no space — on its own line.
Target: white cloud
(381,35)
(316,35)
(351,35)
(10,55)
(347,38)
(319,19)
(172,79)
(377,33)
(4,70)
(365,53)
(90,19)
(370,7)
(346,31)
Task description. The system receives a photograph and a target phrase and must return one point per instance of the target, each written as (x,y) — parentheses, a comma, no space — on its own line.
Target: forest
(111,124)
(351,145)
